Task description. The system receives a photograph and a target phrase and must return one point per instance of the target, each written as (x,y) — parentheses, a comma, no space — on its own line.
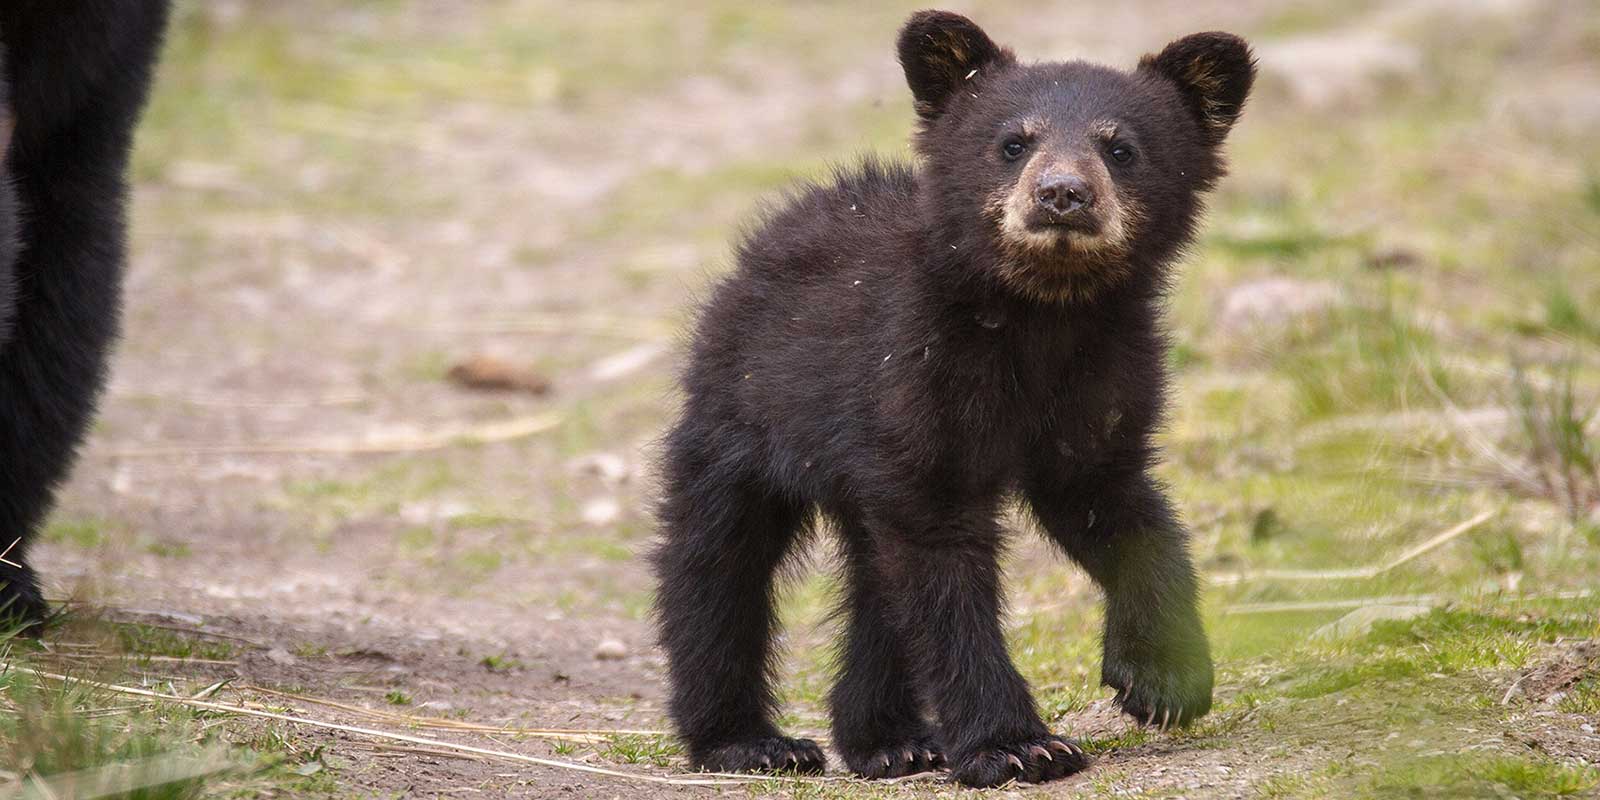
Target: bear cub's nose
(1064,194)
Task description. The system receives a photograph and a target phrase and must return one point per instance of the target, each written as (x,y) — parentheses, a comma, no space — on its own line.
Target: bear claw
(920,754)
(1025,761)
(760,755)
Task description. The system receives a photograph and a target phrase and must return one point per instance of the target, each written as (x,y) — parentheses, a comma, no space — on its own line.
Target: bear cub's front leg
(1120,527)
(1160,667)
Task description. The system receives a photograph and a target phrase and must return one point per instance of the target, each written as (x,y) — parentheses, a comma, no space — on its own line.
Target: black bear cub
(903,351)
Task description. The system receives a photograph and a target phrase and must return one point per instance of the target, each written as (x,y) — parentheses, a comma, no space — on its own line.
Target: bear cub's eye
(1121,153)
(1013,148)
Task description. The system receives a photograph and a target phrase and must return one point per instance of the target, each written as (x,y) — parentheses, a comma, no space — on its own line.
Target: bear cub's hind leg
(944,591)
(725,537)
(878,721)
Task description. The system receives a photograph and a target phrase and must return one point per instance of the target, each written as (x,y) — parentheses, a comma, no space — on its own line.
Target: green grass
(656,750)
(1485,776)
(500,663)
(82,534)
(1583,697)
(146,640)
(1365,360)
(73,738)
(1561,439)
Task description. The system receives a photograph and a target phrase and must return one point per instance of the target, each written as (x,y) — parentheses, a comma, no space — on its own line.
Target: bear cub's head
(1074,176)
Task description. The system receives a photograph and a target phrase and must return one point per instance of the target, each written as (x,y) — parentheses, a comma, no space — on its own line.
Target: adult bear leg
(76,83)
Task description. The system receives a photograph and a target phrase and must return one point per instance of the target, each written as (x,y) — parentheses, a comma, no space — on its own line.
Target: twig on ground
(420,751)
(1505,699)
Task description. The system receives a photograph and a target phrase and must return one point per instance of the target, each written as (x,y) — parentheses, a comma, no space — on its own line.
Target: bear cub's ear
(1213,72)
(939,51)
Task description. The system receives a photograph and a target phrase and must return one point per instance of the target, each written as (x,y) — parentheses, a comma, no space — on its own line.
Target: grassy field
(1385,431)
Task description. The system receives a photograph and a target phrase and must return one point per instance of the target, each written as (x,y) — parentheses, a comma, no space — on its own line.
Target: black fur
(888,358)
(74,81)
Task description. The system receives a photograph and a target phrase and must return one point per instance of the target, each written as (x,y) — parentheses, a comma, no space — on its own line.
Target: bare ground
(302,283)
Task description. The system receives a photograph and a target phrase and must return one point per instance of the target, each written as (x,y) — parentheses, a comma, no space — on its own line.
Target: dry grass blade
(210,690)
(1407,421)
(1290,606)
(393,442)
(9,548)
(1232,579)
(402,749)
(709,780)
(87,656)
(1471,433)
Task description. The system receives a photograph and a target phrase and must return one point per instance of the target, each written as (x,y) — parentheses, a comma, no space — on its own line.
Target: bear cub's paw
(913,756)
(1164,690)
(1030,761)
(767,754)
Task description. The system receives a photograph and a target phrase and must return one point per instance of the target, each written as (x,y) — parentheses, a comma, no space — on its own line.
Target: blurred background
(401,330)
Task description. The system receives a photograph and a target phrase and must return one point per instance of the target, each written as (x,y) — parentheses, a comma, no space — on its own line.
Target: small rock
(611,650)
(121,481)
(601,511)
(1392,258)
(608,467)
(1360,621)
(487,373)
(424,512)
(1564,100)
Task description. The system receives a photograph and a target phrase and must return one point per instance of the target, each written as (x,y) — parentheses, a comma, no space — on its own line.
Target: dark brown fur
(895,356)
